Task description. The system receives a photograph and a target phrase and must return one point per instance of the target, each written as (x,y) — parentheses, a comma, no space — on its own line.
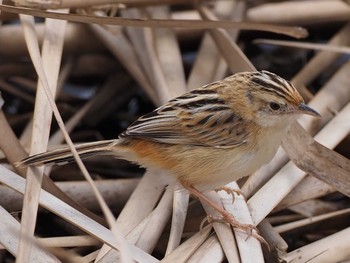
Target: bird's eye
(274,106)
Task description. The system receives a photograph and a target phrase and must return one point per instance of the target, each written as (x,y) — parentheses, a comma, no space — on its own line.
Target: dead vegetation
(109,63)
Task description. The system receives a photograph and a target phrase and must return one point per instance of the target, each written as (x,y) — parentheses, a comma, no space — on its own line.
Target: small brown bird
(208,137)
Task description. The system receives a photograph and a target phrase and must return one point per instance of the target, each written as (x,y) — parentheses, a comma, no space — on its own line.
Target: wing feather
(200,117)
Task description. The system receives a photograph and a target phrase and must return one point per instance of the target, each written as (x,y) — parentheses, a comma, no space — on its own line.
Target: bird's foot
(230,191)
(226,217)
(251,230)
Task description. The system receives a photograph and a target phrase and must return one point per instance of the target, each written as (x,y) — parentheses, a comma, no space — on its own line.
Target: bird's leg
(226,216)
(229,191)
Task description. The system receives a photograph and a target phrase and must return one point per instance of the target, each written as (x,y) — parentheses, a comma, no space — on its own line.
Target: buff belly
(205,168)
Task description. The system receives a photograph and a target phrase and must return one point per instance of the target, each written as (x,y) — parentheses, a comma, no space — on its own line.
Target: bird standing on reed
(208,137)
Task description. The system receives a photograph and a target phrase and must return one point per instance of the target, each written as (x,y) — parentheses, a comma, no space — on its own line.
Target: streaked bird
(208,137)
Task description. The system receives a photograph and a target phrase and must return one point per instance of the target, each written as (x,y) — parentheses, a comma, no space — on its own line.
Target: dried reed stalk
(304,12)
(73,216)
(115,192)
(153,58)
(157,23)
(52,48)
(77,40)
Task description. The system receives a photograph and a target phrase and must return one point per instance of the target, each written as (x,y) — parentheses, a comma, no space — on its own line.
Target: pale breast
(213,168)
(207,168)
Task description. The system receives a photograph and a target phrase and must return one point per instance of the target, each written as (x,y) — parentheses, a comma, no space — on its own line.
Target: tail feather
(64,155)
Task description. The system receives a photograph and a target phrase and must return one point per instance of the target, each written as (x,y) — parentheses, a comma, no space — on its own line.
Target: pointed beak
(303,108)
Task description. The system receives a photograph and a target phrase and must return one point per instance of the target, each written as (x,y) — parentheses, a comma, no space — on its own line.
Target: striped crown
(271,83)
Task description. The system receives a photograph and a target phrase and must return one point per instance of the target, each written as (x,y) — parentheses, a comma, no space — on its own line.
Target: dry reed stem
(296,32)
(26,135)
(138,207)
(9,238)
(232,11)
(152,67)
(52,49)
(209,251)
(223,231)
(26,83)
(113,87)
(309,188)
(168,53)
(311,220)
(209,59)
(169,56)
(115,192)
(120,46)
(312,207)
(180,206)
(66,70)
(296,12)
(322,60)
(334,248)
(33,48)
(77,40)
(69,241)
(272,237)
(73,216)
(11,147)
(140,216)
(249,248)
(233,55)
(88,3)
(318,160)
(283,219)
(183,252)
(90,257)
(132,236)
(61,3)
(11,89)
(156,224)
(58,137)
(204,64)
(305,45)
(143,42)
(14,152)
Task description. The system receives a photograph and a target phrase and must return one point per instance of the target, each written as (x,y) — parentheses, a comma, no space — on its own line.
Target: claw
(259,238)
(230,191)
(212,219)
(251,230)
(201,226)
(226,216)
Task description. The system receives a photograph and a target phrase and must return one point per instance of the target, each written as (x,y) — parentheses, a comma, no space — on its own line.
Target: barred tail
(64,155)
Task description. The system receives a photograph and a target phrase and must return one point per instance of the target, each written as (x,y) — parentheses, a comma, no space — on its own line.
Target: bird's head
(273,100)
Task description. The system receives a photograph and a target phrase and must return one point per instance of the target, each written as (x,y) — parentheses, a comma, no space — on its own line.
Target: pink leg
(226,216)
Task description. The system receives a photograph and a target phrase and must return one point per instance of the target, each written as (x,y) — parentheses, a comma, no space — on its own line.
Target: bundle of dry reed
(97,65)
